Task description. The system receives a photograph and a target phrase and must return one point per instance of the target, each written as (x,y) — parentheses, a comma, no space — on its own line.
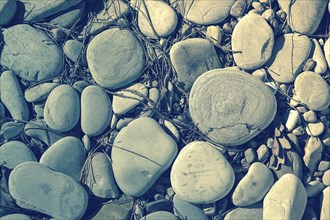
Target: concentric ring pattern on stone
(115,58)
(231,107)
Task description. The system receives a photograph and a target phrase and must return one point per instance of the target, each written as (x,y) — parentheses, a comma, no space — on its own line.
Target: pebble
(313,11)
(258,7)
(318,57)
(200,178)
(268,14)
(2,112)
(187,210)
(206,12)
(260,74)
(156,16)
(292,119)
(66,156)
(313,153)
(69,17)
(62,108)
(315,129)
(128,98)
(191,58)
(254,185)
(87,143)
(293,165)
(215,33)
(298,131)
(160,215)
(326,50)
(294,101)
(14,153)
(314,188)
(225,106)
(286,199)
(123,122)
(154,95)
(309,214)
(15,216)
(245,213)
(36,187)
(250,155)
(310,116)
(115,58)
(75,51)
(80,85)
(238,8)
(172,130)
(263,153)
(12,96)
(326,178)
(100,178)
(312,90)
(255,39)
(39,92)
(136,158)
(288,57)
(96,110)
(325,204)
(38,129)
(7,11)
(159,205)
(29,59)
(11,130)
(324,165)
(309,65)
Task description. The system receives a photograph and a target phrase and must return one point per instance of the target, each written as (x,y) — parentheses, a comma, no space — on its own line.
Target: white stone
(313,153)
(315,128)
(292,120)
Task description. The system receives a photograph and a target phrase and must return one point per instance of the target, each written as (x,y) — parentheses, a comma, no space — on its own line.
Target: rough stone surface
(7,11)
(201,174)
(115,58)
(254,38)
(36,187)
(231,107)
(39,92)
(288,57)
(30,58)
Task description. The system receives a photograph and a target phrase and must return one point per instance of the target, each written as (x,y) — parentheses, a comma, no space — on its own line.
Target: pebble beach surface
(164,110)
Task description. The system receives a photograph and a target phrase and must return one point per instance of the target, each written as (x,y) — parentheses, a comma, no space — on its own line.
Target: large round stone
(231,107)
(115,58)
(201,174)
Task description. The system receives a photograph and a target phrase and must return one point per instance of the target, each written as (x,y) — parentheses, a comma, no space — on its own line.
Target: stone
(66,156)
(205,12)
(75,51)
(14,153)
(87,143)
(159,205)
(250,155)
(15,216)
(254,185)
(172,130)
(160,215)
(288,57)
(226,106)
(309,214)
(29,59)
(123,122)
(187,210)
(39,92)
(201,174)
(245,213)
(96,110)
(7,11)
(254,38)
(313,11)
(128,98)
(215,33)
(100,178)
(12,96)
(154,95)
(315,129)
(326,178)
(268,14)
(326,49)
(11,130)
(141,152)
(260,74)
(156,16)
(36,187)
(69,17)
(293,164)
(318,57)
(238,8)
(80,85)
(313,153)
(39,130)
(62,108)
(2,111)
(259,8)
(115,58)
(310,116)
(325,204)
(191,58)
(314,188)
(292,119)
(286,199)
(315,95)
(34,10)
(324,165)
(263,153)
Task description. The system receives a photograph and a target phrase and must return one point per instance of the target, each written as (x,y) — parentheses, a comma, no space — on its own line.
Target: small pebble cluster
(164,109)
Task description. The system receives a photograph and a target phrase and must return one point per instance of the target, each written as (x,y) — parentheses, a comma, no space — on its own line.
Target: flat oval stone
(14,153)
(101,180)
(192,57)
(39,92)
(96,111)
(255,39)
(7,11)
(158,14)
(246,213)
(115,58)
(201,174)
(187,210)
(205,12)
(231,107)
(286,199)
(62,108)
(141,152)
(312,90)
(66,155)
(325,204)
(36,187)
(254,185)
(288,57)
(312,10)
(12,96)
(16,217)
(30,58)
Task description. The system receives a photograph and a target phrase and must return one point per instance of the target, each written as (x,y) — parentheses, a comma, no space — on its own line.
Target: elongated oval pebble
(39,92)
